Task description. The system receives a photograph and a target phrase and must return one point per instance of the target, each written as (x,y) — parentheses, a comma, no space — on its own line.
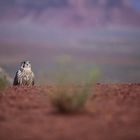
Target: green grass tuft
(67,98)
(3,83)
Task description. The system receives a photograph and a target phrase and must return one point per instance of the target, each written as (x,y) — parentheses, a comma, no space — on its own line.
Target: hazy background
(80,33)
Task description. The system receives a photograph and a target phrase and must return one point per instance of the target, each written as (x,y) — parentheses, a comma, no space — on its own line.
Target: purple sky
(43,9)
(61,22)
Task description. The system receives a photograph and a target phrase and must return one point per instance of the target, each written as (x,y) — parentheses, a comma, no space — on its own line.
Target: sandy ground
(112,113)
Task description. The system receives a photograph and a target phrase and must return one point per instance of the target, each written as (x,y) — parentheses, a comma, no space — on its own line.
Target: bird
(24,75)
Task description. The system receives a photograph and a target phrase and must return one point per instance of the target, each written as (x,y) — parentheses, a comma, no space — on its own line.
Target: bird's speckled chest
(26,76)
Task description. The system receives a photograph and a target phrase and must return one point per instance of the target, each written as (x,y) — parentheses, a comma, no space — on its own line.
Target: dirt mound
(112,113)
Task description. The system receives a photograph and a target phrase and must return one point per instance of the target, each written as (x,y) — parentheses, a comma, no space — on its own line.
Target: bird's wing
(33,77)
(16,81)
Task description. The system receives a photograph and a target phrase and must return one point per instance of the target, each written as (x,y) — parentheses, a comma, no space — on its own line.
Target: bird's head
(25,65)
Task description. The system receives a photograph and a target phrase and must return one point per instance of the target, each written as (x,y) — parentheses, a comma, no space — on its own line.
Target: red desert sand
(111,113)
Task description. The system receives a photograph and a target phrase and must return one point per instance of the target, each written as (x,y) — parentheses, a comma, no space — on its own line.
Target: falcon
(24,76)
